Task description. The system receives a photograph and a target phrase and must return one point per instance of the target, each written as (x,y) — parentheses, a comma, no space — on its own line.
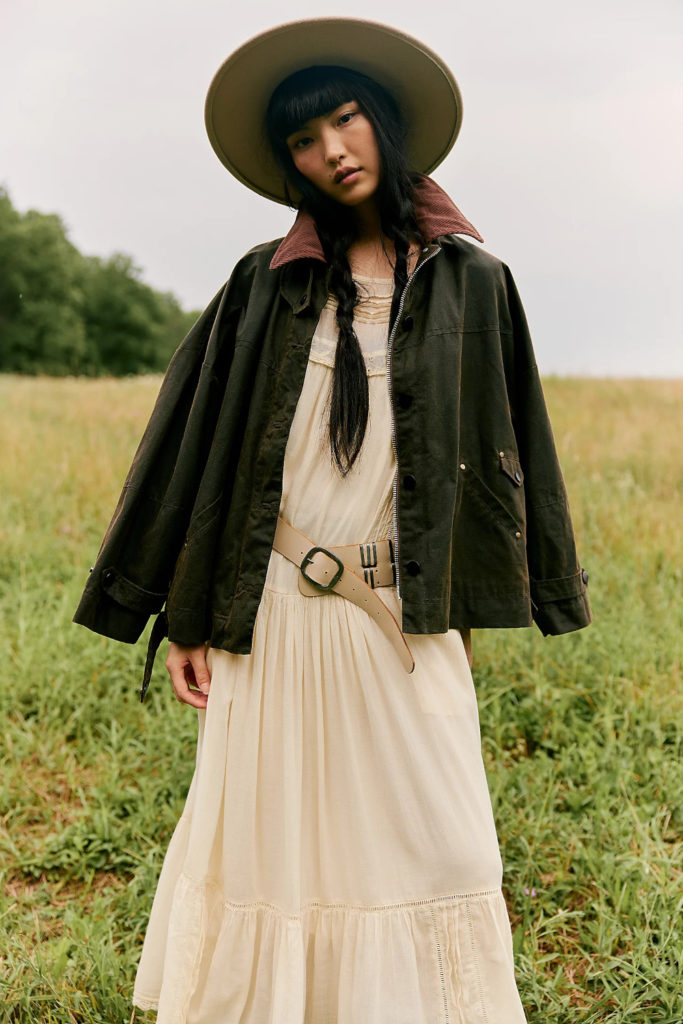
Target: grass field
(580,732)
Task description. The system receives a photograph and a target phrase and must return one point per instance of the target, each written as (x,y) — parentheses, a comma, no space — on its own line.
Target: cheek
(302,164)
(371,147)
(306,163)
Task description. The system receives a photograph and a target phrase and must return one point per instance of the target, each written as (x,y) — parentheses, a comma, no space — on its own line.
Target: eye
(301,143)
(346,117)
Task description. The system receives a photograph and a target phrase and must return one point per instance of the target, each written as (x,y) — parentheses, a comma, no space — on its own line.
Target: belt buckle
(308,558)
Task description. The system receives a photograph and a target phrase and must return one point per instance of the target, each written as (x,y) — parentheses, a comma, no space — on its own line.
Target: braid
(350,397)
(402,227)
(349,401)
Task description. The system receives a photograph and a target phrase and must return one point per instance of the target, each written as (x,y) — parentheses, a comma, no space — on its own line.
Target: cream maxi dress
(337,860)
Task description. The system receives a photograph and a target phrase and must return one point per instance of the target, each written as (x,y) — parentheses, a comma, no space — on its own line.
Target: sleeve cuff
(191,631)
(116,607)
(561,605)
(111,619)
(563,616)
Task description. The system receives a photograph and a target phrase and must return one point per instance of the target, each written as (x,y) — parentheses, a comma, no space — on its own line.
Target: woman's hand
(466,635)
(189,674)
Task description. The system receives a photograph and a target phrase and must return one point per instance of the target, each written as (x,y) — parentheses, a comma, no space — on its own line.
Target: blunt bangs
(313,92)
(306,94)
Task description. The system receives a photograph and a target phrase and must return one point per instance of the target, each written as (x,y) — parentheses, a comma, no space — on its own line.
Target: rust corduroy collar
(436,215)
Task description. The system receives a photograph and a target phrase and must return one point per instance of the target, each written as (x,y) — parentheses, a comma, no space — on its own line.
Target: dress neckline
(365,277)
(375,287)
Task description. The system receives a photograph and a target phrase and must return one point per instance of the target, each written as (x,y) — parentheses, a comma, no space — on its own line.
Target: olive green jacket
(484,536)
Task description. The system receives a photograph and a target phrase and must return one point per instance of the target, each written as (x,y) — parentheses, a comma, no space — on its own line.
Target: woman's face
(338,153)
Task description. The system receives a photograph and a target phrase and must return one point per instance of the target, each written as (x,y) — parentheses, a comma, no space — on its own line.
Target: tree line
(65,313)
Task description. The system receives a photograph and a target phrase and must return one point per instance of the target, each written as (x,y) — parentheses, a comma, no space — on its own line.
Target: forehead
(314,119)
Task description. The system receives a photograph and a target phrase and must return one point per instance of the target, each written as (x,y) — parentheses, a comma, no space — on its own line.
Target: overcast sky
(569,161)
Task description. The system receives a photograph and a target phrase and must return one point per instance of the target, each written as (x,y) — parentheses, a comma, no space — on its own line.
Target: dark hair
(314,92)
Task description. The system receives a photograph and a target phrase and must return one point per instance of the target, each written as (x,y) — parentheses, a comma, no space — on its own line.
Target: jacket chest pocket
(500,493)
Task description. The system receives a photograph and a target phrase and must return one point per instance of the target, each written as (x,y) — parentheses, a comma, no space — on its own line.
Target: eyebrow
(307,124)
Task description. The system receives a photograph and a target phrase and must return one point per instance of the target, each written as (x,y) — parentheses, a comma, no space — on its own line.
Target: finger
(200,668)
(181,685)
(187,695)
(194,698)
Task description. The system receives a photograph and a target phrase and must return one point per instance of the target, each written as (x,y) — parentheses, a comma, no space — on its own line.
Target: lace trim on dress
(323,350)
(371,323)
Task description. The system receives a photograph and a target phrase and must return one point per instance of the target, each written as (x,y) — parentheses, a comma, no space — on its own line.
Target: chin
(357,200)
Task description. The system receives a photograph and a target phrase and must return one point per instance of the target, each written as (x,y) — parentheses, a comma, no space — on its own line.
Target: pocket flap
(512,469)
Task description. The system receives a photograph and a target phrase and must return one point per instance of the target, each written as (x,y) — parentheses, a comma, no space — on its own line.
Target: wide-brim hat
(238,96)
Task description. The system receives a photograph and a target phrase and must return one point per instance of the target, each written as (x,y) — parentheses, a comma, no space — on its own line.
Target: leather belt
(351,570)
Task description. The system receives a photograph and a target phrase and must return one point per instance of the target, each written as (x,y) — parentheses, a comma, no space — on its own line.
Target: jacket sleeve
(133,569)
(559,598)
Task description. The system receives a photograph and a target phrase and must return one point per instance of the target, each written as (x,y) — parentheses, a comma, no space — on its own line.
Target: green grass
(580,733)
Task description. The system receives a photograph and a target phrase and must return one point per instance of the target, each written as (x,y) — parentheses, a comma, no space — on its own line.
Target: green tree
(124,318)
(61,312)
(41,329)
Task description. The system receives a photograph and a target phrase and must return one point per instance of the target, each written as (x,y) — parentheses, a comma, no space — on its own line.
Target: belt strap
(324,567)
(159,631)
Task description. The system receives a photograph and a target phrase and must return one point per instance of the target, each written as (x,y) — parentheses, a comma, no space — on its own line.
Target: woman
(351,440)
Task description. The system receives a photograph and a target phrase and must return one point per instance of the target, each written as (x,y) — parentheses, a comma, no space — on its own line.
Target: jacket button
(518,476)
(407,323)
(304,299)
(108,576)
(405,401)
(409,482)
(413,568)
(584,576)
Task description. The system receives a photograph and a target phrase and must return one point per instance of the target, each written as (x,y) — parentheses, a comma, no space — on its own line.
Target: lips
(344,172)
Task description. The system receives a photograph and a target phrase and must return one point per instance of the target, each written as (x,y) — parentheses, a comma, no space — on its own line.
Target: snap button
(405,401)
(518,534)
(409,482)
(407,323)
(518,476)
(502,454)
(108,576)
(413,568)
(584,576)
(462,465)
(304,299)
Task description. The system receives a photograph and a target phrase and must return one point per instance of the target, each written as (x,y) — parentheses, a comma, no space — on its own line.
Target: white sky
(569,161)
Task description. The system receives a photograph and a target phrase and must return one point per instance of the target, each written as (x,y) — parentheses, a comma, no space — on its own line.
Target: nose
(332,146)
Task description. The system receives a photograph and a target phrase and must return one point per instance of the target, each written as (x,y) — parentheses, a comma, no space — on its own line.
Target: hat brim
(238,96)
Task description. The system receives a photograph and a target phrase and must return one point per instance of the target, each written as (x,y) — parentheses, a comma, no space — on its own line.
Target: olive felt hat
(238,96)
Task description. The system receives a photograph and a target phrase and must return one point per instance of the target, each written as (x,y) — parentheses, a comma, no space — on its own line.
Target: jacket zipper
(393,420)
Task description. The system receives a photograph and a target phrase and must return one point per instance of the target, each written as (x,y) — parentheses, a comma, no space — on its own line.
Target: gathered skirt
(337,860)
